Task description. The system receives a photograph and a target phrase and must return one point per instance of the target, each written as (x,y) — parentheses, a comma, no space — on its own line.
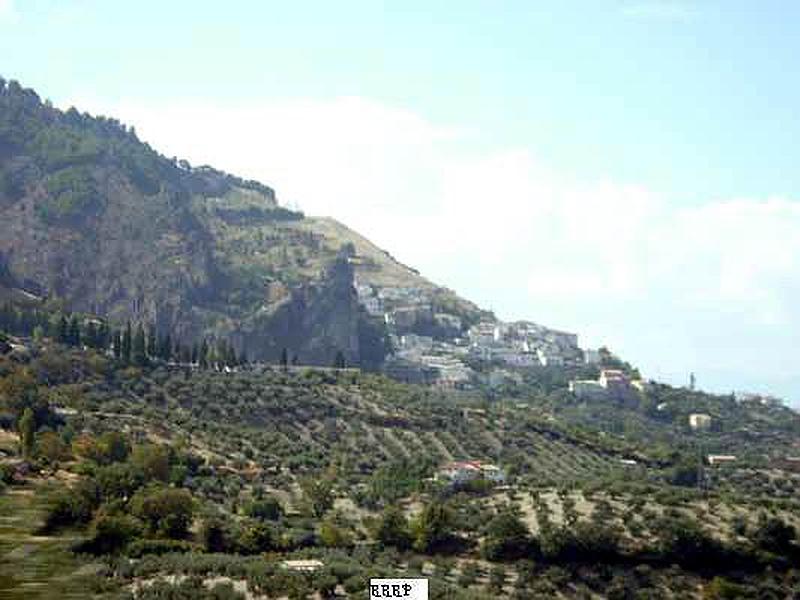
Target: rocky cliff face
(94,219)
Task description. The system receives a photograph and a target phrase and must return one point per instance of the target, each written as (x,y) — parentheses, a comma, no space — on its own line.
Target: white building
(587,389)
(591,357)
(461,472)
(699,421)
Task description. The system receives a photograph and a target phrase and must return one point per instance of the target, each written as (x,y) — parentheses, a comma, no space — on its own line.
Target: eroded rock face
(315,321)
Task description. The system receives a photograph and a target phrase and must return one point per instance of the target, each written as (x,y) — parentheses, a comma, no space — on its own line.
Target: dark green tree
(318,493)
(284,359)
(74,332)
(139,347)
(432,526)
(203,355)
(117,344)
(507,538)
(339,361)
(27,432)
(127,344)
(62,333)
(393,529)
(152,342)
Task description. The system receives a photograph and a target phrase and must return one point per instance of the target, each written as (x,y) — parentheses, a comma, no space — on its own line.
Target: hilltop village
(439,348)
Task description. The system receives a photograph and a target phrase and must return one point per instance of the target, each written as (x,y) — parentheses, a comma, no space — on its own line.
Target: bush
(584,542)
(773,535)
(166,512)
(392,529)
(73,506)
(507,538)
(110,535)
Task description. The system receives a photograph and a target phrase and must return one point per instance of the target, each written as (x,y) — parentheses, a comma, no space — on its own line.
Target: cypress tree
(74,332)
(91,335)
(27,432)
(139,347)
(62,330)
(103,335)
(152,342)
(166,348)
(117,343)
(127,343)
(203,356)
(285,359)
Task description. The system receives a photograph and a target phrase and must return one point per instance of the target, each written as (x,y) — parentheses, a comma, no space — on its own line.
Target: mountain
(96,221)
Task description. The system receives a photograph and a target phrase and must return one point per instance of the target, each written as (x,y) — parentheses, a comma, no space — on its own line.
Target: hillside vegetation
(160,480)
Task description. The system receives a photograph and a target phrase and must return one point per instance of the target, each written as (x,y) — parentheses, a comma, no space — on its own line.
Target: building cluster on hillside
(612,383)
(763,399)
(461,472)
(443,360)
(523,344)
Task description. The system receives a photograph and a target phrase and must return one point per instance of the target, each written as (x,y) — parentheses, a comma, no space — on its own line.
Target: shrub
(392,529)
(266,509)
(507,538)
(110,534)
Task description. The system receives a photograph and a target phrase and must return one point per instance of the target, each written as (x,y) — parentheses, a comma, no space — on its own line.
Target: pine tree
(339,362)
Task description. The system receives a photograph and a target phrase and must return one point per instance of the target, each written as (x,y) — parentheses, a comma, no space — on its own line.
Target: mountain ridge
(98,220)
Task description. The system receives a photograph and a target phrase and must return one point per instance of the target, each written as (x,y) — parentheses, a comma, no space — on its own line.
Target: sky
(626,170)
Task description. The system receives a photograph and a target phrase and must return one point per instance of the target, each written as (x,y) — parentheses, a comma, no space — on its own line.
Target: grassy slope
(36,566)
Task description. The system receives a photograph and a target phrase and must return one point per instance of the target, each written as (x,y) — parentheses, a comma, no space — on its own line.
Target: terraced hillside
(306,420)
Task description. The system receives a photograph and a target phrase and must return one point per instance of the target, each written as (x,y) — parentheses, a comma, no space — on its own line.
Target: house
(718,459)
(591,357)
(548,357)
(484,333)
(700,421)
(372,305)
(587,389)
(613,379)
(303,566)
(515,358)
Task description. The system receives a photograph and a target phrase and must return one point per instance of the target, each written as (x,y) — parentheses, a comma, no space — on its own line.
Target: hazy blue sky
(626,170)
